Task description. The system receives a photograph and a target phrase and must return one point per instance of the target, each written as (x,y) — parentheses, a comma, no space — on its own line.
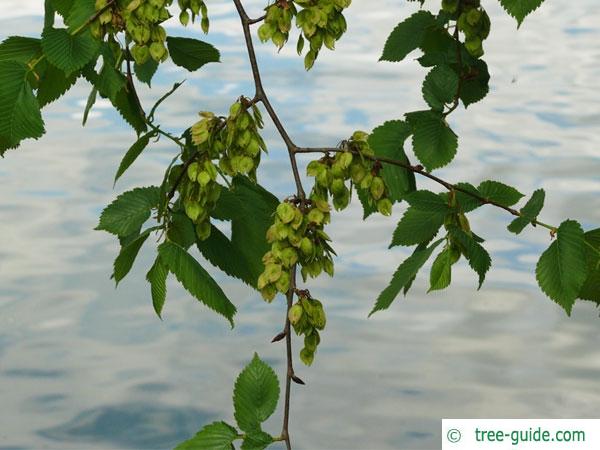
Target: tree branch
(421,171)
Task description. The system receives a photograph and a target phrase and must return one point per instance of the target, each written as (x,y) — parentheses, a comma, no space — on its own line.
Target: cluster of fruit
(308,318)
(140,19)
(199,191)
(190,9)
(331,174)
(235,141)
(321,22)
(472,20)
(296,236)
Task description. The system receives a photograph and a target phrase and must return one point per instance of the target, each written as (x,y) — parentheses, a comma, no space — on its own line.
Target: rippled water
(85,366)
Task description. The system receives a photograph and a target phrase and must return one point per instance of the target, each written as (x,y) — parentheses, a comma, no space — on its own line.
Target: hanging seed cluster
(235,141)
(190,10)
(472,20)
(335,176)
(307,316)
(296,236)
(321,23)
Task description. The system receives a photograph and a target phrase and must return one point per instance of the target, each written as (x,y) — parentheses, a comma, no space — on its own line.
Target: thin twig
(421,171)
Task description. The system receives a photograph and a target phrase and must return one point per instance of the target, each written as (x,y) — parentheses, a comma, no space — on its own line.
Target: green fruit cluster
(140,19)
(296,237)
(336,175)
(308,318)
(190,9)
(321,22)
(235,141)
(472,20)
(198,191)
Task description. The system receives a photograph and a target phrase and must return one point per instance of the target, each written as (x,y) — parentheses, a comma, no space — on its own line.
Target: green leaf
(404,276)
(477,256)
(466,202)
(53,84)
(181,230)
(62,6)
(110,83)
(441,271)
(80,13)
(195,279)
(191,54)
(561,270)
(128,212)
(20,49)
(134,151)
(439,47)
(427,201)
(244,200)
(67,52)
(519,9)
(128,254)
(89,104)
(257,440)
(369,206)
(255,395)
(440,87)
(417,226)
(591,287)
(434,143)
(500,193)
(157,277)
(216,436)
(130,109)
(228,257)
(529,212)
(387,141)
(477,84)
(145,72)
(407,36)
(20,116)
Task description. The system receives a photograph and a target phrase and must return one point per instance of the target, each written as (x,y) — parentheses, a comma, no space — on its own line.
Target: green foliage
(195,279)
(404,275)
(519,9)
(499,193)
(53,84)
(134,151)
(216,436)
(20,116)
(476,86)
(255,398)
(191,54)
(561,270)
(157,277)
(441,270)
(407,36)
(439,87)
(477,256)
(591,287)
(69,52)
(255,395)
(20,49)
(127,256)
(128,212)
(529,212)
(434,142)
(387,141)
(422,220)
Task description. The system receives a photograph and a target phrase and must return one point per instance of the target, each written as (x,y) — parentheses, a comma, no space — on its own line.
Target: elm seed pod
(295,314)
(377,188)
